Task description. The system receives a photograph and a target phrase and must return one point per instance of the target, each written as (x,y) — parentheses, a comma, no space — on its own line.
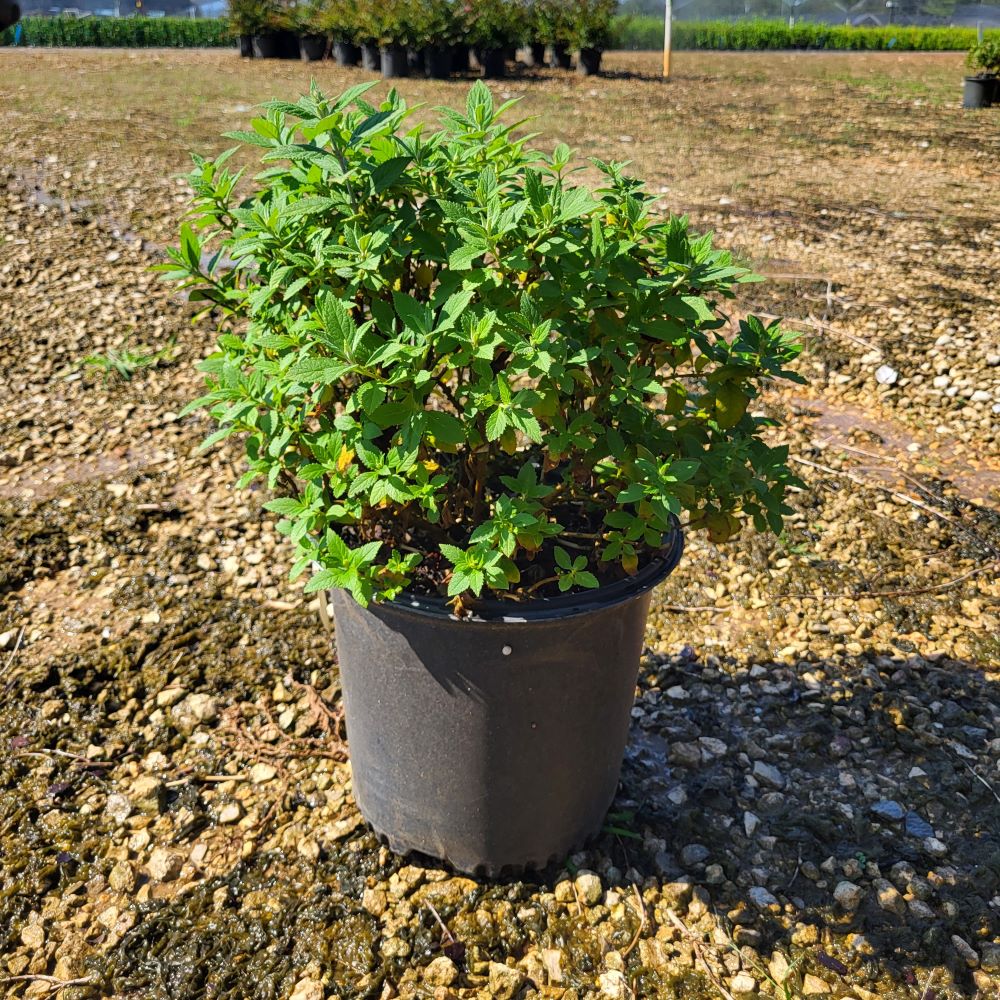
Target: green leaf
(452,553)
(285,506)
(496,424)
(325,579)
(462,258)
(325,371)
(336,320)
(445,428)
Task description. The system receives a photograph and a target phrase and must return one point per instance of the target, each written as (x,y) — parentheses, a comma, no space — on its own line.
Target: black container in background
(246,46)
(559,57)
(493,743)
(394,62)
(312,48)
(492,63)
(536,54)
(346,53)
(265,45)
(977,92)
(415,61)
(460,58)
(590,62)
(371,57)
(437,62)
(288,45)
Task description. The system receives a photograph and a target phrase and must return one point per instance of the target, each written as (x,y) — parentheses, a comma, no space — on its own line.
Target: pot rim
(545,609)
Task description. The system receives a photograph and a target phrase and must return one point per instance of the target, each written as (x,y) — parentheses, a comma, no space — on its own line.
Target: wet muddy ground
(811,800)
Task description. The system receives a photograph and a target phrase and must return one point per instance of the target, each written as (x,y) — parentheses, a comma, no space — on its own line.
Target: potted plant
(552,23)
(368,27)
(592,32)
(981,90)
(390,23)
(307,19)
(246,19)
(276,37)
(485,397)
(438,28)
(340,19)
(493,26)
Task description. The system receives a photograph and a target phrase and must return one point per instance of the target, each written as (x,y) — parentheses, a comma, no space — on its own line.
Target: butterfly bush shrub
(463,373)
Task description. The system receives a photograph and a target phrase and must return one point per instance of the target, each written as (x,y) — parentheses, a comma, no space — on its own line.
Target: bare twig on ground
(13,652)
(815,324)
(54,984)
(975,774)
(642,922)
(77,759)
(911,592)
(904,497)
(697,945)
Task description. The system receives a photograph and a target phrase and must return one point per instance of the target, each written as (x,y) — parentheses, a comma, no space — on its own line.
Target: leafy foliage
(443,350)
(131,32)
(494,24)
(345,20)
(984,57)
(640,32)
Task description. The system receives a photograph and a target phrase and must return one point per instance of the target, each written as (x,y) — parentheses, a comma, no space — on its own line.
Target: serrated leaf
(462,258)
(496,424)
(325,371)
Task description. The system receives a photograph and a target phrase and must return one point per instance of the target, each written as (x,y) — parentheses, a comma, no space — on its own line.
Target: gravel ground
(811,800)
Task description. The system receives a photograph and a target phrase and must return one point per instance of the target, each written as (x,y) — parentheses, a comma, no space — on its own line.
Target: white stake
(668,14)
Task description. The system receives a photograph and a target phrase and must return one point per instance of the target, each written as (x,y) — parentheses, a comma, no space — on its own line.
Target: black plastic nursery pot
(492,62)
(494,742)
(265,46)
(460,58)
(394,62)
(371,57)
(415,61)
(437,62)
(560,58)
(312,48)
(346,53)
(590,62)
(977,92)
(536,54)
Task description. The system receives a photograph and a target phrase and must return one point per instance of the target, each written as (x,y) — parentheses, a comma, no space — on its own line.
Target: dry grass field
(811,801)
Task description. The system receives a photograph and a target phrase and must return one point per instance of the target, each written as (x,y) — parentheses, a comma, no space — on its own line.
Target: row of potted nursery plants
(431,37)
(982,89)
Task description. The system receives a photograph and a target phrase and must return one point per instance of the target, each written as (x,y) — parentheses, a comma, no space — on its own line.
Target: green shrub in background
(124,32)
(502,21)
(647,33)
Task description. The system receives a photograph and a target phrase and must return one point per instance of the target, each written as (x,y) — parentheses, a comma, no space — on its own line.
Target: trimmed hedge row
(627,33)
(647,33)
(124,32)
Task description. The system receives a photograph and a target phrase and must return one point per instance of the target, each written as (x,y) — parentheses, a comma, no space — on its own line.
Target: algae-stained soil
(811,799)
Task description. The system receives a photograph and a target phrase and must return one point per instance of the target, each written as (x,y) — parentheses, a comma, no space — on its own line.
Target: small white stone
(260,773)
(886,375)
(848,895)
(935,847)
